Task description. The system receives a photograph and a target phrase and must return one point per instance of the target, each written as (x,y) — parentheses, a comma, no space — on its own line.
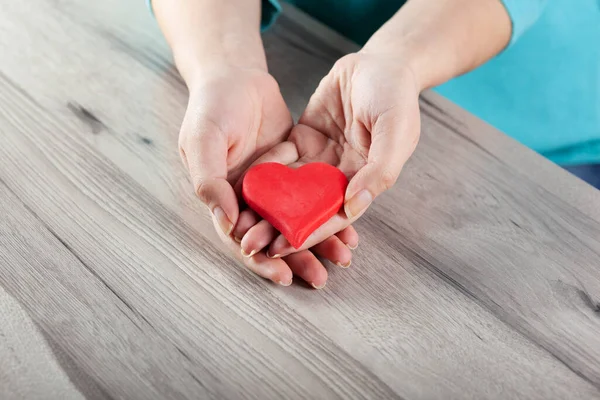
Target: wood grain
(477,275)
(27,358)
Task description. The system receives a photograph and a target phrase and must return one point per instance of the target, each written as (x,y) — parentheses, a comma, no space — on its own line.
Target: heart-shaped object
(295,201)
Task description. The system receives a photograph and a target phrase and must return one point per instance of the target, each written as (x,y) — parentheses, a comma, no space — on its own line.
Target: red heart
(295,201)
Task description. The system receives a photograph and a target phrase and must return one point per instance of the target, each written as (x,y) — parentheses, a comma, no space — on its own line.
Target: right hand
(234,116)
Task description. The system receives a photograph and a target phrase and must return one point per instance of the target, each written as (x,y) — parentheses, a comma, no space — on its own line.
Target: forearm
(441,39)
(207,33)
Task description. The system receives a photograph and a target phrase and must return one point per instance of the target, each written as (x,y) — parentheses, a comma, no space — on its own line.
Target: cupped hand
(364,119)
(234,115)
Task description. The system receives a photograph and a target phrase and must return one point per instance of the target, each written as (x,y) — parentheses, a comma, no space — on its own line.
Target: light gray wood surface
(477,276)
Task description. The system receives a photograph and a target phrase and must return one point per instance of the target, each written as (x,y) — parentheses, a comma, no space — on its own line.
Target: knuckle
(280,152)
(202,189)
(182,143)
(347,60)
(270,82)
(183,157)
(388,178)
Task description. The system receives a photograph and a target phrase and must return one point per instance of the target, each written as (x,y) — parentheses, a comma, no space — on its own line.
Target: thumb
(205,155)
(393,139)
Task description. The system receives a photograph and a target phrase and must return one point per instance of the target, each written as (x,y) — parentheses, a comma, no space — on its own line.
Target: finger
(203,148)
(257,237)
(394,138)
(284,153)
(246,220)
(334,250)
(281,247)
(276,270)
(349,237)
(308,267)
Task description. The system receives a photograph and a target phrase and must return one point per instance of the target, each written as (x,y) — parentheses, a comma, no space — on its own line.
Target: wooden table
(477,276)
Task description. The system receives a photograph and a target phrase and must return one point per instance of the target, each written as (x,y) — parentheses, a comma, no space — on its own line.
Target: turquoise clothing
(543,90)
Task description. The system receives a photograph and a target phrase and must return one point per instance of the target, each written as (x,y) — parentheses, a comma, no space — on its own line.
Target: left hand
(364,119)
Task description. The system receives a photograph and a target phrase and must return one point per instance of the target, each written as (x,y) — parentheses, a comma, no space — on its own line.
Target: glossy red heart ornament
(295,201)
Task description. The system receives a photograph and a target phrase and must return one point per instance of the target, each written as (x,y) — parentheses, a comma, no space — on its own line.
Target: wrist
(204,33)
(443,39)
(405,55)
(230,52)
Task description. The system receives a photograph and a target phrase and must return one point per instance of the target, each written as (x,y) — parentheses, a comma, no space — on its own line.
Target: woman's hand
(234,115)
(364,119)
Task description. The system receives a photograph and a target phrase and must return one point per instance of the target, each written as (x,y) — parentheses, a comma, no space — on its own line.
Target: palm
(244,107)
(267,123)
(328,147)
(340,123)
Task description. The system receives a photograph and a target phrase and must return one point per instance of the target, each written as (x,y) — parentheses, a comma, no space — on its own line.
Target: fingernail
(273,256)
(339,264)
(281,247)
(358,203)
(352,247)
(253,252)
(223,220)
(238,240)
(319,287)
(285,283)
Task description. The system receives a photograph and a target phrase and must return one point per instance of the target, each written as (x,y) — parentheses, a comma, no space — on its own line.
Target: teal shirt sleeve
(523,14)
(270,10)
